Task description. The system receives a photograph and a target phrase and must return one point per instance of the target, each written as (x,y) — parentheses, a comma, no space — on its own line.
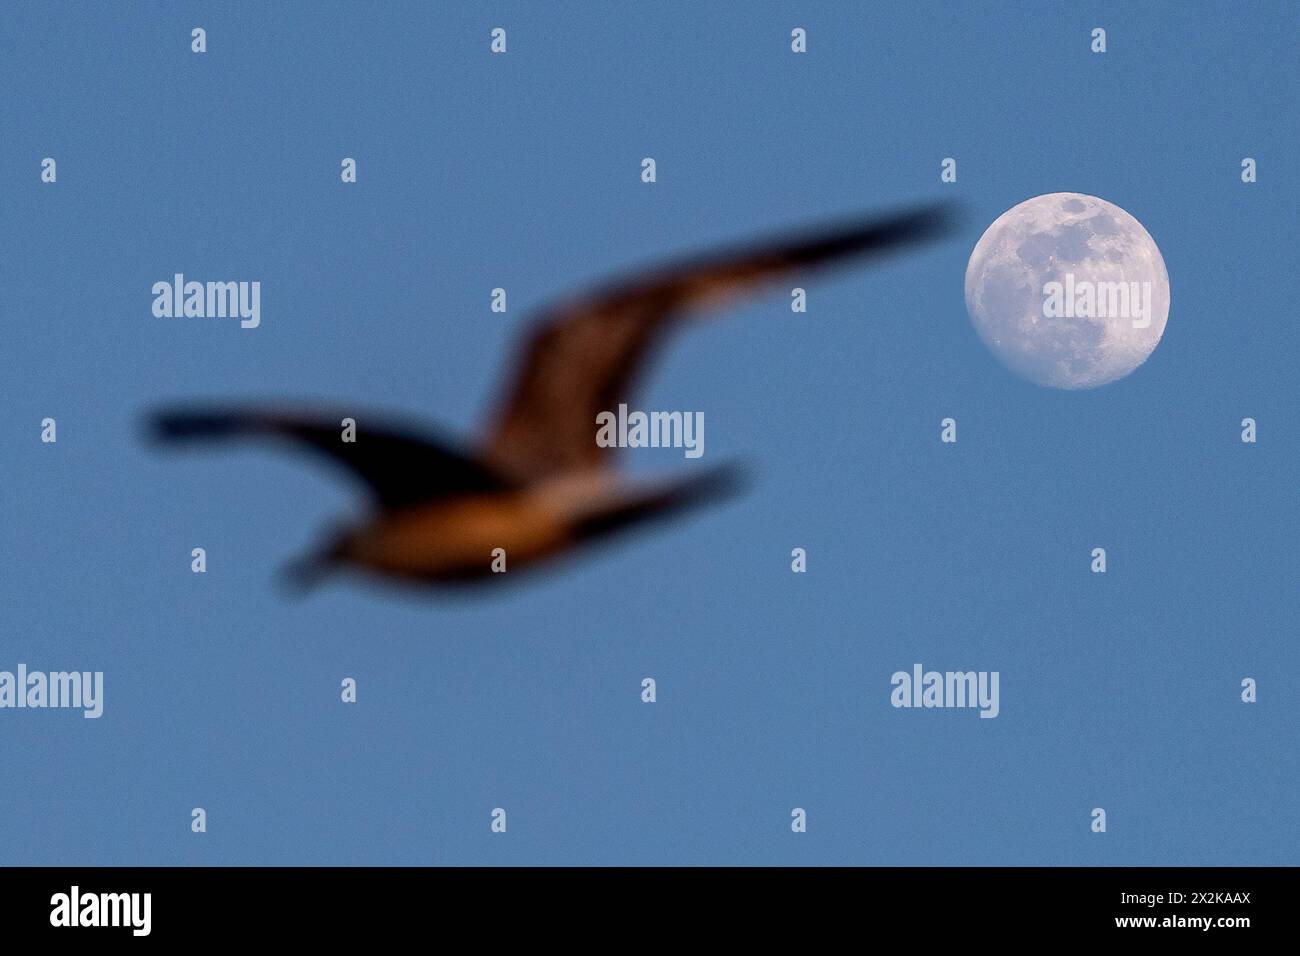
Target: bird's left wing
(583,355)
(401,465)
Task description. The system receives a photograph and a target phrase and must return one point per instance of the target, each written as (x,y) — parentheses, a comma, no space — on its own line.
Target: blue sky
(474,171)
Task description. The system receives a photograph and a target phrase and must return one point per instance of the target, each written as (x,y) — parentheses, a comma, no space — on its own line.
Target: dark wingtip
(939,218)
(171,425)
(925,221)
(877,233)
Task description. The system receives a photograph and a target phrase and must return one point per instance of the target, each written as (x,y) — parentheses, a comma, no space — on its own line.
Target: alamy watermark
(76,908)
(624,429)
(209,300)
(1084,299)
(922,688)
(82,690)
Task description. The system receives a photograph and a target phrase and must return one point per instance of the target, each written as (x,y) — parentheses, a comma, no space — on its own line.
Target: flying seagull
(537,484)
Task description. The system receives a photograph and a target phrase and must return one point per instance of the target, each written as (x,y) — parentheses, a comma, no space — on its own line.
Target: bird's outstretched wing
(400,465)
(583,356)
(637,505)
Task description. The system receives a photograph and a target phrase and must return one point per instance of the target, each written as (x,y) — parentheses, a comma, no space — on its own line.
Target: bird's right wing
(583,356)
(400,465)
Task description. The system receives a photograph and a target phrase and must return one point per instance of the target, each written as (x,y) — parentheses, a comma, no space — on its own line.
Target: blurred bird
(538,484)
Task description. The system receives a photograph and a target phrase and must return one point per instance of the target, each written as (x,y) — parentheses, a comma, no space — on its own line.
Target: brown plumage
(538,484)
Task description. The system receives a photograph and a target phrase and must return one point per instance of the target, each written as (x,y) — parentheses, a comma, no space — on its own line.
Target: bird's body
(527,524)
(538,484)
(467,531)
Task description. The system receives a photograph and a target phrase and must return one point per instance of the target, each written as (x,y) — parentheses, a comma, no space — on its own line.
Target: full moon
(1068,291)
